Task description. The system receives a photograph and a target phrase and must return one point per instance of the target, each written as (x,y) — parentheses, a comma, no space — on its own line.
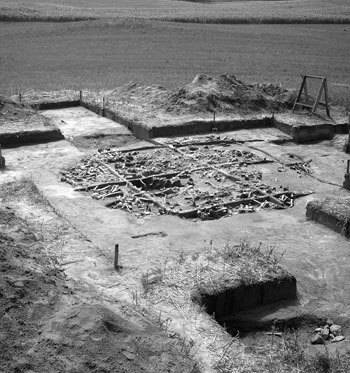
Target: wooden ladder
(307,104)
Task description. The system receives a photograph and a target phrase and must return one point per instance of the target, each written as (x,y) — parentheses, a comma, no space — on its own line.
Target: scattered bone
(197,182)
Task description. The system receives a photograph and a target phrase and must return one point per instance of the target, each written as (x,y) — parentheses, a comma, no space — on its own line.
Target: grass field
(96,54)
(280,11)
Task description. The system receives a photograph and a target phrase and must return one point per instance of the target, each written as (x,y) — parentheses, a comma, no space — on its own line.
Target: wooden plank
(304,105)
(314,76)
(306,93)
(123,182)
(299,93)
(136,190)
(318,97)
(246,201)
(326,97)
(229,176)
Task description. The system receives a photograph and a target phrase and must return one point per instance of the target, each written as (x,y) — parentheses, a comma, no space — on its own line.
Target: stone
(335,329)
(318,330)
(329,322)
(317,339)
(338,338)
(19,284)
(325,333)
(331,336)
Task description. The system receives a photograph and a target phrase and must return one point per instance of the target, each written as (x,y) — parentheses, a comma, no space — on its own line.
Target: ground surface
(316,256)
(51,321)
(104,55)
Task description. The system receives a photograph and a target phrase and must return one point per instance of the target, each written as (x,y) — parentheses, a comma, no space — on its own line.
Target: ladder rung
(314,77)
(304,105)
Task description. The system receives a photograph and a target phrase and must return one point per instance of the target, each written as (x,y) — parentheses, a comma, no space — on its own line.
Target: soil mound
(227,93)
(12,110)
(224,94)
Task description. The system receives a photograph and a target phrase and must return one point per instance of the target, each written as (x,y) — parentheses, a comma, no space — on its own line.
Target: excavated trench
(260,313)
(233,308)
(248,296)
(300,127)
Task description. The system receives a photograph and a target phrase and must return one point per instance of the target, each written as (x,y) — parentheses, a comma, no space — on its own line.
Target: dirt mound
(226,94)
(12,110)
(50,324)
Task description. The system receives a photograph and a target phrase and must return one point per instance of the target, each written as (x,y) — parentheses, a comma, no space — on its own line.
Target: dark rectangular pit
(247,296)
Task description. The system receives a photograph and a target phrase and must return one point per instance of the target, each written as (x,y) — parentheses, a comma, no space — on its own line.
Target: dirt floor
(84,233)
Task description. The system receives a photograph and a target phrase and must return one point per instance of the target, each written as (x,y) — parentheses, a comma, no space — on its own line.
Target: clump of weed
(22,188)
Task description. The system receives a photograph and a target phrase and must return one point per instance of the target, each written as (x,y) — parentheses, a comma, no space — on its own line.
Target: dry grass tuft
(217,269)
(23,188)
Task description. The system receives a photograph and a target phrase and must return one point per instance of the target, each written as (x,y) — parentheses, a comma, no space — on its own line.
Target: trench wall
(299,134)
(305,133)
(30,137)
(322,216)
(244,297)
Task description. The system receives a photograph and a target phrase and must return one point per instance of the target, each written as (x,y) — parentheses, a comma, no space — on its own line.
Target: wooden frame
(307,104)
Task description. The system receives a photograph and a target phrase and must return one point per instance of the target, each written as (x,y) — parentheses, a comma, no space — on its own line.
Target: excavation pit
(227,302)
(205,180)
(331,212)
(229,104)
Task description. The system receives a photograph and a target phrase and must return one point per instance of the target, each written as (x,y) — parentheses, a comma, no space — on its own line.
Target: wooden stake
(103,106)
(116,257)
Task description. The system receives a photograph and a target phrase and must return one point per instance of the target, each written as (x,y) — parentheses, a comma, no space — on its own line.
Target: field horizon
(106,54)
(220,12)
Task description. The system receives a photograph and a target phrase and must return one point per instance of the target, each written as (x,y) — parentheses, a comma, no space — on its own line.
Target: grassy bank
(314,11)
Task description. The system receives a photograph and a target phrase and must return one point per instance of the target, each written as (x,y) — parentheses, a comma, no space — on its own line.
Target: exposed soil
(224,94)
(52,324)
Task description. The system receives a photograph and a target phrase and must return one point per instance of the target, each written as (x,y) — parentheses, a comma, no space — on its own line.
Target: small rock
(128,354)
(335,329)
(329,322)
(318,330)
(331,336)
(325,333)
(19,284)
(338,338)
(317,340)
